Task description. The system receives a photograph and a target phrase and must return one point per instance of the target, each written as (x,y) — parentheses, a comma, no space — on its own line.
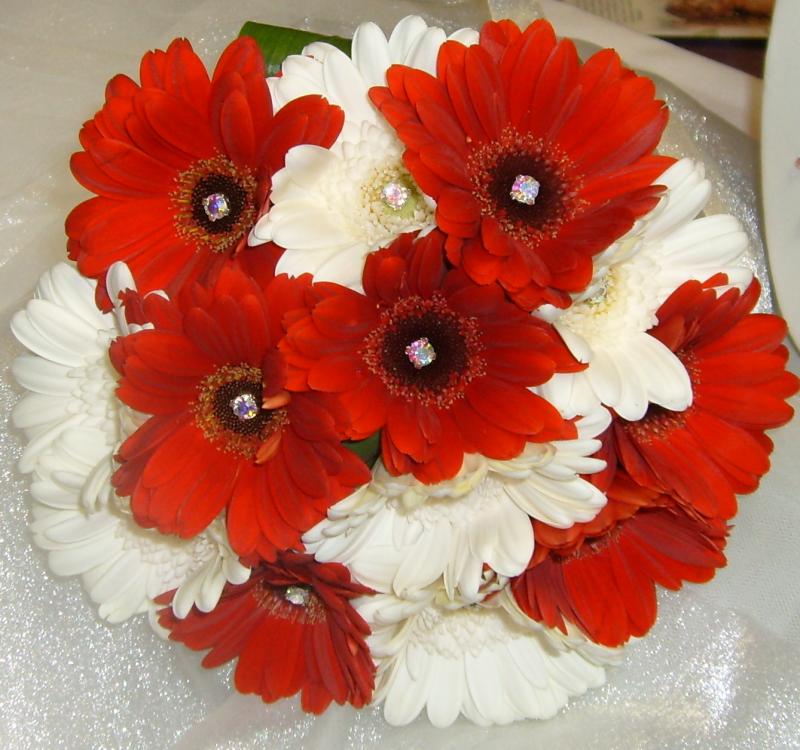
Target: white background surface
(721,667)
(780,150)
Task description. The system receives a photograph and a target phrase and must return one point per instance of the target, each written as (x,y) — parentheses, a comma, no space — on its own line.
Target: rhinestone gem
(296,595)
(395,195)
(245,406)
(525,189)
(216,206)
(421,353)
(600,295)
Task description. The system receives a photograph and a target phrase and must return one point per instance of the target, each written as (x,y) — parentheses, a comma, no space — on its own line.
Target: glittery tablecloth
(721,669)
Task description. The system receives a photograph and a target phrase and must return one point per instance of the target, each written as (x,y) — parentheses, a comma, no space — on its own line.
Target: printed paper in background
(686,18)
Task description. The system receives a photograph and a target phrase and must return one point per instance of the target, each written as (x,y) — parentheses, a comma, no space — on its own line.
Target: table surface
(746,55)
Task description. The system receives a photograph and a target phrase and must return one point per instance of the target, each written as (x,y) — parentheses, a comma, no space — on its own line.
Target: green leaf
(367,449)
(277,42)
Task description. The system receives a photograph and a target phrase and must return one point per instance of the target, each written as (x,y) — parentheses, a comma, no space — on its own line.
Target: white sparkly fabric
(720,669)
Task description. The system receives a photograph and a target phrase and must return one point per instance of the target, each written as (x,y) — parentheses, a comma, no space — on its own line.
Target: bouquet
(406,373)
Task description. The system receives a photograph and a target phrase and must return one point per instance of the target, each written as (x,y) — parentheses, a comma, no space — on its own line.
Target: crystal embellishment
(216,206)
(525,189)
(245,406)
(296,595)
(420,353)
(395,195)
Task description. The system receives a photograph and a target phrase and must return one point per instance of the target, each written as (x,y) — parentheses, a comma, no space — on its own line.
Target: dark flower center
(215,203)
(295,602)
(425,351)
(218,201)
(657,422)
(593,545)
(229,410)
(237,407)
(503,174)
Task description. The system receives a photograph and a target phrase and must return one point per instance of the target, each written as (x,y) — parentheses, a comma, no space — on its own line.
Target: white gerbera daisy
(331,207)
(74,424)
(606,327)
(345,81)
(488,662)
(399,536)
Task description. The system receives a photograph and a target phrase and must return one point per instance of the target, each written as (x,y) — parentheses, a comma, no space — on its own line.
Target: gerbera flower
(73,423)
(607,325)
(536,162)
(440,364)
(345,81)
(332,207)
(399,536)
(224,432)
(181,166)
(603,577)
(487,662)
(716,448)
(291,628)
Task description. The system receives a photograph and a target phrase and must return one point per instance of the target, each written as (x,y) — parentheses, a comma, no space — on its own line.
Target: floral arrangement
(408,374)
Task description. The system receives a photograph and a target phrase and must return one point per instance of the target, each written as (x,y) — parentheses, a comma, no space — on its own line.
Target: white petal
(80,559)
(305,164)
(115,578)
(406,698)
(577,345)
(186,594)
(77,528)
(58,332)
(514,548)
(424,561)
(403,35)
(126,601)
(42,442)
(51,496)
(97,487)
(345,86)
(667,381)
(485,687)
(234,571)
(66,287)
(213,583)
(37,374)
(343,266)
(470,578)
(39,411)
(467,37)
(370,52)
(604,378)
(317,232)
(446,689)
(423,52)
(633,393)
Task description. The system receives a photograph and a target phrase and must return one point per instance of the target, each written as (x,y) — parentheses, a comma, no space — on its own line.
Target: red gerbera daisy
(536,162)
(292,628)
(716,448)
(602,576)
(181,166)
(224,432)
(442,365)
